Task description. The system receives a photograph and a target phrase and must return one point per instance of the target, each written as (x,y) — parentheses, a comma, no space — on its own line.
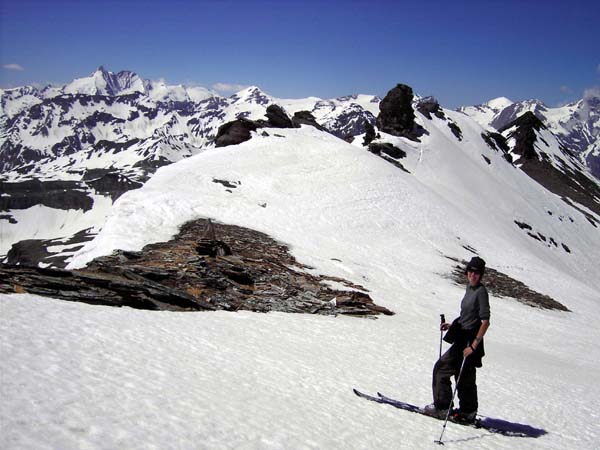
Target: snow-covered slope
(112,126)
(312,181)
(135,379)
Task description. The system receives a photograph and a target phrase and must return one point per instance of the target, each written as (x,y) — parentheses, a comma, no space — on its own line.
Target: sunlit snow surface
(81,376)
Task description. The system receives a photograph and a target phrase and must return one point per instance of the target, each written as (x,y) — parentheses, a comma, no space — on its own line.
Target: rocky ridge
(205,267)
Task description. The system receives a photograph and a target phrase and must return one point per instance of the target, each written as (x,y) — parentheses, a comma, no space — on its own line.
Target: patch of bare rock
(207,266)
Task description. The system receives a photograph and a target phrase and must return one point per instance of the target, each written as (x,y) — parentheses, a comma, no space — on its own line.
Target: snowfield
(79,376)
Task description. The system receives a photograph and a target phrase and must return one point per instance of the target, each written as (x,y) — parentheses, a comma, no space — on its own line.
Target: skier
(466,336)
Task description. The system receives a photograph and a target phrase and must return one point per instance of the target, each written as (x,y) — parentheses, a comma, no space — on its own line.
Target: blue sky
(462,52)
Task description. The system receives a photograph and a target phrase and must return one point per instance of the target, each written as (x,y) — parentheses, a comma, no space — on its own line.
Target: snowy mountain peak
(499,103)
(252,94)
(103,82)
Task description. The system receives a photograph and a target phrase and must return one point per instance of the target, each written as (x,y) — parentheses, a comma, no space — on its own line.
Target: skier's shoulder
(481,292)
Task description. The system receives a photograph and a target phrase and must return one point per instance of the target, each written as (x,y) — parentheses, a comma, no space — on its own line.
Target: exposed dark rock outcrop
(456,131)
(496,142)
(239,130)
(389,152)
(205,267)
(557,176)
(32,252)
(53,194)
(236,132)
(388,149)
(369,133)
(525,134)
(114,147)
(306,118)
(278,118)
(396,116)
(112,184)
(428,106)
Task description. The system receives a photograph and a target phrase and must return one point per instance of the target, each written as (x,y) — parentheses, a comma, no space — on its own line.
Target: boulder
(306,118)
(277,117)
(369,133)
(235,132)
(396,115)
(428,106)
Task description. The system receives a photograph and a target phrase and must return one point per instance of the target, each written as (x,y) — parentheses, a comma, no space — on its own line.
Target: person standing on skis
(466,336)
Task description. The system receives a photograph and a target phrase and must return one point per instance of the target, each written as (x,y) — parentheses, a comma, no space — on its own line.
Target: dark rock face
(277,117)
(53,194)
(396,116)
(496,142)
(113,184)
(428,106)
(389,152)
(237,269)
(31,252)
(236,132)
(239,130)
(456,131)
(305,118)
(369,133)
(387,149)
(114,147)
(572,185)
(511,113)
(525,135)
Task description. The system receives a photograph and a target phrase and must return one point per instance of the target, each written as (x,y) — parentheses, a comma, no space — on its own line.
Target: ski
(489,424)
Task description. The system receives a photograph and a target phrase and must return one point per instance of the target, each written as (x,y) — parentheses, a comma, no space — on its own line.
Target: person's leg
(467,390)
(445,368)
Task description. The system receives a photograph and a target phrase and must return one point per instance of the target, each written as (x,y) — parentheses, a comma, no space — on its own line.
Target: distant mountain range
(67,153)
(576,125)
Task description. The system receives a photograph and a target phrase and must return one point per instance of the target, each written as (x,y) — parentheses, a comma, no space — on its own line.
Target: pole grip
(442,318)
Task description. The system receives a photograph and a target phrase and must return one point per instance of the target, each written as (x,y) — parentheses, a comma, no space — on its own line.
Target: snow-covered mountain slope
(119,127)
(344,116)
(108,133)
(312,182)
(120,108)
(577,125)
(271,381)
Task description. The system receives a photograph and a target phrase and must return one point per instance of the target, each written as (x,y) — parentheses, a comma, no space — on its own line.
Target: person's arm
(485,324)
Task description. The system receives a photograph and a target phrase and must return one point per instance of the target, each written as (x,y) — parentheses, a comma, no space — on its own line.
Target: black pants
(445,368)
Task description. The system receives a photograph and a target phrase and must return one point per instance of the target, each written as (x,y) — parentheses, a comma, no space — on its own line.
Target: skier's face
(473,277)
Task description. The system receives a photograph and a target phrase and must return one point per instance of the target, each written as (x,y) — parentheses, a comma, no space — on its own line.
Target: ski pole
(442,320)
(439,441)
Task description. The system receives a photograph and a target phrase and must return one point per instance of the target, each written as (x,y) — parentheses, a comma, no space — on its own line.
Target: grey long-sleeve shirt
(475,306)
